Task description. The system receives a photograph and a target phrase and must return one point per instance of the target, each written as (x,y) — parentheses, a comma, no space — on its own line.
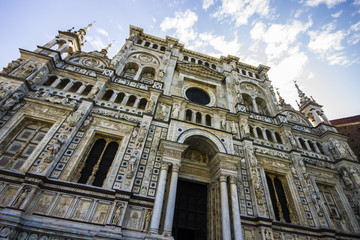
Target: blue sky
(316,42)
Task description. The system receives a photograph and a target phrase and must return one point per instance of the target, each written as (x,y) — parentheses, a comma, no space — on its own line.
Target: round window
(197,95)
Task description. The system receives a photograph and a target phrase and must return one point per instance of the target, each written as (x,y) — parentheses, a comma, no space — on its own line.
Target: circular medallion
(89,62)
(145,58)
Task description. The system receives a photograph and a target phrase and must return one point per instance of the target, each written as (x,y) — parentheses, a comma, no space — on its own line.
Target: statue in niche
(251,157)
(151,104)
(176,111)
(147,220)
(346,178)
(21,198)
(100,214)
(118,212)
(291,138)
(303,169)
(223,123)
(163,112)
(245,126)
(134,220)
(317,203)
(94,91)
(132,165)
(239,97)
(141,134)
(12,66)
(62,207)
(234,129)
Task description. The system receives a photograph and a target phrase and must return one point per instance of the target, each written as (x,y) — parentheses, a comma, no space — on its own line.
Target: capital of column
(165,166)
(233,179)
(175,167)
(223,178)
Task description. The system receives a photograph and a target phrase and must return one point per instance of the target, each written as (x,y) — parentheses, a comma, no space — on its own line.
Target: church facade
(162,142)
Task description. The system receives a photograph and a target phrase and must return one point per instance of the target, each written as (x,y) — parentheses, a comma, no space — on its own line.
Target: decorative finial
(106,50)
(303,98)
(82,31)
(281,100)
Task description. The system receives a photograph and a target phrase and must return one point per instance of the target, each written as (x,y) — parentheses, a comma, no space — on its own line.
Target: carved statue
(93,92)
(268,234)
(245,126)
(38,76)
(316,200)
(291,138)
(355,174)
(251,157)
(345,176)
(151,105)
(239,97)
(176,111)
(10,102)
(223,123)
(21,198)
(12,65)
(164,112)
(75,117)
(233,128)
(147,220)
(117,213)
(132,164)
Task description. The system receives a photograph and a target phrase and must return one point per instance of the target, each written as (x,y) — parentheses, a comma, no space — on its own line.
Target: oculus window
(198,96)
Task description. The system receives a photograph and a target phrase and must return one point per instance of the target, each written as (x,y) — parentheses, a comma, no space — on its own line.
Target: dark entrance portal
(190,218)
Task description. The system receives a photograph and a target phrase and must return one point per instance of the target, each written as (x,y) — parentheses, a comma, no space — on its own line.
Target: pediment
(200,70)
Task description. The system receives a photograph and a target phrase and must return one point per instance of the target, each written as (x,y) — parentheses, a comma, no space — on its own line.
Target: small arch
(250,74)
(50,80)
(193,60)
(147,44)
(142,103)
(268,135)
(213,66)
(251,131)
(87,90)
(75,87)
(186,58)
(278,137)
(207,64)
(130,70)
(188,115)
(248,101)
(139,42)
(148,72)
(131,101)
(259,133)
(107,95)
(208,120)
(63,83)
(302,144)
(257,76)
(320,147)
(243,72)
(120,97)
(200,62)
(261,105)
(162,48)
(198,117)
(155,46)
(311,144)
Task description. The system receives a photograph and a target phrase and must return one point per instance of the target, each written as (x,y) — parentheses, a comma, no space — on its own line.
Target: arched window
(198,96)
(311,144)
(188,115)
(186,58)
(50,80)
(261,105)
(193,60)
(268,135)
(278,198)
(248,102)
(207,64)
(131,101)
(250,74)
(63,83)
(98,162)
(21,143)
(130,70)
(198,117)
(155,46)
(259,133)
(148,73)
(243,72)
(213,66)
(320,147)
(147,44)
(75,87)
(200,62)
(302,144)
(278,138)
(251,131)
(87,90)
(139,41)
(162,48)
(142,104)
(208,120)
(108,95)
(119,98)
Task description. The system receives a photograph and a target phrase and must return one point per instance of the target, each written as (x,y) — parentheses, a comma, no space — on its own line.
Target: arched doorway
(191,217)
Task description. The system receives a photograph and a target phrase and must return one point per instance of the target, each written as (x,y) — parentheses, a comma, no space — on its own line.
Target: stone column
(225,216)
(316,147)
(255,108)
(235,209)
(274,137)
(307,145)
(81,88)
(113,96)
(170,208)
(264,134)
(125,99)
(137,102)
(159,198)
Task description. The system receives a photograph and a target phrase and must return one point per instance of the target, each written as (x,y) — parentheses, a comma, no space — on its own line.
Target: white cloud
(356,2)
(182,23)
(329,3)
(240,11)
(337,59)
(154,19)
(278,37)
(337,14)
(96,42)
(220,44)
(355,27)
(326,41)
(102,31)
(354,39)
(207,3)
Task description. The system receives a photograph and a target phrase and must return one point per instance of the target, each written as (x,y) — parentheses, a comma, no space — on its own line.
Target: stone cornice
(200,70)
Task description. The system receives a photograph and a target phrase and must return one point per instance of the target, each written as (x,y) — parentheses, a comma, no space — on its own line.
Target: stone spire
(282,103)
(82,31)
(303,98)
(106,50)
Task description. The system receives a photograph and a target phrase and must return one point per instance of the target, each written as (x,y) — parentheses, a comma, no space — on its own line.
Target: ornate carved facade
(161,142)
